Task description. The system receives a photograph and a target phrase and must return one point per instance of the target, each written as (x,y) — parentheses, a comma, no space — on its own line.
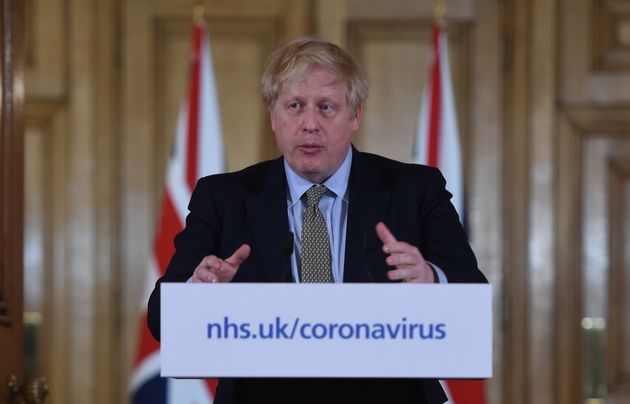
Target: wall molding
(609,52)
(577,123)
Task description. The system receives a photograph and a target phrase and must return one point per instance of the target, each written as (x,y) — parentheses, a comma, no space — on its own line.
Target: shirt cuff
(441,276)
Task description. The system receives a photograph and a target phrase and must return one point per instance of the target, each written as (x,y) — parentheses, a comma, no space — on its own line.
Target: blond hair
(297,57)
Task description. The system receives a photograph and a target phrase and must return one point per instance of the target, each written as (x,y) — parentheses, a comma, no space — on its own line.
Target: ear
(272,118)
(356,119)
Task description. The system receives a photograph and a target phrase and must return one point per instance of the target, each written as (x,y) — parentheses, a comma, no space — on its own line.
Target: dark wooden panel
(609,50)
(11,173)
(619,282)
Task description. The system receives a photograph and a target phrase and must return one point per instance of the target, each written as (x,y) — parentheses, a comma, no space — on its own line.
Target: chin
(311,174)
(310,169)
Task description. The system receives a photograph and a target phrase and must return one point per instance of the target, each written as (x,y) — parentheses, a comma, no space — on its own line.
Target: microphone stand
(288,250)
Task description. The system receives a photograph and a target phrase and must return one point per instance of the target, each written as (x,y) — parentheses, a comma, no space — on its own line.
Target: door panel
(618,353)
(11,171)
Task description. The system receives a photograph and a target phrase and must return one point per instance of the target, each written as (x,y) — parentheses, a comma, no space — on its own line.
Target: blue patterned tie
(316,261)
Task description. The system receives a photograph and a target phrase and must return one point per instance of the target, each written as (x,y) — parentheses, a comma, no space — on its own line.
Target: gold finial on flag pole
(439,11)
(199,14)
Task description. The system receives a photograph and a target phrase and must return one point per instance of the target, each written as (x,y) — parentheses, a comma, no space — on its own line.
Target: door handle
(34,391)
(13,388)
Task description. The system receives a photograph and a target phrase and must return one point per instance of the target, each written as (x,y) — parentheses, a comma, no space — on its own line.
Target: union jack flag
(198,151)
(437,144)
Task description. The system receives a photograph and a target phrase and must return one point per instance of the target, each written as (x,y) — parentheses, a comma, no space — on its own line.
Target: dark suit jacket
(249,206)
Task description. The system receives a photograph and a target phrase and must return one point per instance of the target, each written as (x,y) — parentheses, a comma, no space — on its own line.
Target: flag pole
(439,12)
(199,14)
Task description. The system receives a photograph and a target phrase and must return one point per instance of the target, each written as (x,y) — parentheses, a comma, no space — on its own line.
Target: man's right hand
(213,269)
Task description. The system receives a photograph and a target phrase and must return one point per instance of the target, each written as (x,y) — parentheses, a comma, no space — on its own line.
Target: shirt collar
(337,183)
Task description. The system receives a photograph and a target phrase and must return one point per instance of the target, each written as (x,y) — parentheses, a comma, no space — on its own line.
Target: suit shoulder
(394,168)
(247,177)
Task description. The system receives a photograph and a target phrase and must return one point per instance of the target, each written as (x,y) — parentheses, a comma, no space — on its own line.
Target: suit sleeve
(200,237)
(443,239)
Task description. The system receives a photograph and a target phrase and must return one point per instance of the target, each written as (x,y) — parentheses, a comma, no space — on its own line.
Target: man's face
(314,123)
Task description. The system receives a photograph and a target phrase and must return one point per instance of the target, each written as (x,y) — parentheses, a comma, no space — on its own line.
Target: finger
(205,271)
(203,274)
(402,259)
(410,275)
(384,234)
(211,262)
(210,277)
(239,256)
(401,247)
(401,274)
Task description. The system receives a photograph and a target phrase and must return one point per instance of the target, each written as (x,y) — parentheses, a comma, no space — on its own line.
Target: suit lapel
(267,212)
(368,204)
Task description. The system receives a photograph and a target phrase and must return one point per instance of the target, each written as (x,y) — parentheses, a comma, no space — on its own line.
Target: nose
(310,122)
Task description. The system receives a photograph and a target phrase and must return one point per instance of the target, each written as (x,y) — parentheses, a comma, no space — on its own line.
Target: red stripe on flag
(436,103)
(212,385)
(168,227)
(461,391)
(146,344)
(193,109)
(163,250)
(467,391)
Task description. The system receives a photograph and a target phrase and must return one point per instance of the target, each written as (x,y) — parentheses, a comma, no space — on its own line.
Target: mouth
(309,148)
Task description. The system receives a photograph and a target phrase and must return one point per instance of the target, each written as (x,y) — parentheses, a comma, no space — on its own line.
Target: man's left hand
(410,265)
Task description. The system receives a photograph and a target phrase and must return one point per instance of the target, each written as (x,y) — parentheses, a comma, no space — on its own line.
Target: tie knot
(314,194)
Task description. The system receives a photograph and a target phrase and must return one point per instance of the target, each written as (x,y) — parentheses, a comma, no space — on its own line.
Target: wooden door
(11,147)
(594,179)
(567,175)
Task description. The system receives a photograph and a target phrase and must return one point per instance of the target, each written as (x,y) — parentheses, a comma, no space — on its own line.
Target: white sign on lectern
(326,330)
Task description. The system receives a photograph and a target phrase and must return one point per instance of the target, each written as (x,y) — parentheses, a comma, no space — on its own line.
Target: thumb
(239,255)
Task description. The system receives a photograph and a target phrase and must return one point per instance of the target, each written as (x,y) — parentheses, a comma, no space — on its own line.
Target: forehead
(315,81)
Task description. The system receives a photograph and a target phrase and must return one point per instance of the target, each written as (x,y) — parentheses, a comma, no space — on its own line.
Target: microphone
(369,245)
(288,250)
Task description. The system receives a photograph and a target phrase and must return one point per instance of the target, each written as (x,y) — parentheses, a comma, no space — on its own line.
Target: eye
(326,107)
(294,106)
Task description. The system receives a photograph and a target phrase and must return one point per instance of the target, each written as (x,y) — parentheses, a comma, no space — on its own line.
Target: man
(323,212)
